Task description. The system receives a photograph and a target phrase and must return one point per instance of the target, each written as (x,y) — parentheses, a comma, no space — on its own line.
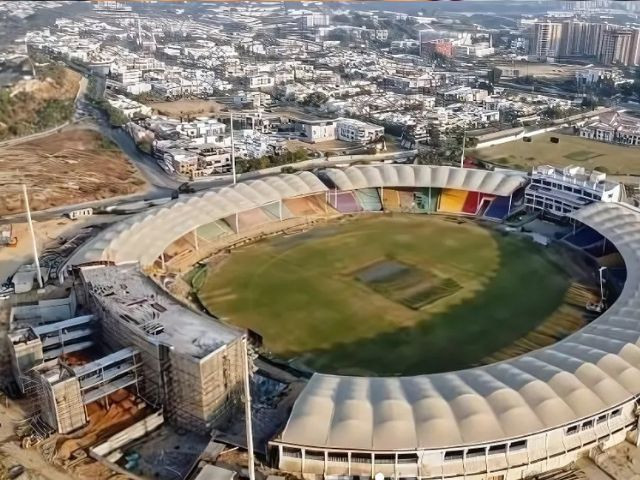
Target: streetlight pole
(464,141)
(600,270)
(233,149)
(247,409)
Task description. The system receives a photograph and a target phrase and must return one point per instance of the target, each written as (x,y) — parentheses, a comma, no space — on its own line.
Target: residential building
(547,37)
(316,131)
(129,77)
(351,130)
(260,81)
(201,128)
(440,46)
(129,108)
(613,127)
(617,47)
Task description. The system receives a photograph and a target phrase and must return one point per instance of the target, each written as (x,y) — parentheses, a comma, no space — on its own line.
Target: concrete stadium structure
(506,420)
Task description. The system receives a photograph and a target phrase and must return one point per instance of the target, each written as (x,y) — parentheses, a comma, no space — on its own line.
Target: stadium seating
(273,211)
(369,199)
(248,220)
(583,237)
(426,200)
(344,202)
(474,201)
(601,249)
(308,206)
(214,230)
(452,201)
(499,209)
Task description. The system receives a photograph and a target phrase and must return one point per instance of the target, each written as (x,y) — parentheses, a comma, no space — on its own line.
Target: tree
(589,102)
(315,99)
(434,136)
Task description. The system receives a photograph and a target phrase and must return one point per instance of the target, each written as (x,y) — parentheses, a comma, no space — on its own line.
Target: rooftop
(126,292)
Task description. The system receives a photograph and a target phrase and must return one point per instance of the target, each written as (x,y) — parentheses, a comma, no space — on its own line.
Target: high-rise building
(618,47)
(581,38)
(547,37)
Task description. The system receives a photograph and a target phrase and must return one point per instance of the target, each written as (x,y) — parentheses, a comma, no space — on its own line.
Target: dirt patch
(68,167)
(183,108)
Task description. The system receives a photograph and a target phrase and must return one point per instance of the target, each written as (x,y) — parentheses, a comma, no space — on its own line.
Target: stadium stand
(369,199)
(452,200)
(247,220)
(583,237)
(600,249)
(213,230)
(308,206)
(426,200)
(510,420)
(499,209)
(472,203)
(391,200)
(274,211)
(344,202)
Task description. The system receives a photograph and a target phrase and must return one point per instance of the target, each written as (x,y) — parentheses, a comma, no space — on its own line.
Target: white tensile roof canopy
(588,372)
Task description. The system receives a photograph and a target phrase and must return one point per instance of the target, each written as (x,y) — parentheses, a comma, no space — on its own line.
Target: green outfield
(388,294)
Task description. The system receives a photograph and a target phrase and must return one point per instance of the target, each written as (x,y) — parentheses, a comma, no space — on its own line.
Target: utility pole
(233,149)
(247,410)
(33,236)
(464,140)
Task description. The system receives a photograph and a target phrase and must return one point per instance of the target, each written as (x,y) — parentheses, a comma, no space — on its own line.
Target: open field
(310,295)
(72,166)
(183,108)
(548,70)
(572,150)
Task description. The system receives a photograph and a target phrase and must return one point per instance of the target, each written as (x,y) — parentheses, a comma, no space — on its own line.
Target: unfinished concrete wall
(26,353)
(201,389)
(62,406)
(45,311)
(118,334)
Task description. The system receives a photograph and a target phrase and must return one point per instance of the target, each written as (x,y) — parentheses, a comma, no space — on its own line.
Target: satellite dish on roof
(379,476)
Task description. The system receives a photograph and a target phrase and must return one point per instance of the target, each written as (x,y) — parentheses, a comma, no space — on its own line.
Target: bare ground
(68,167)
(180,108)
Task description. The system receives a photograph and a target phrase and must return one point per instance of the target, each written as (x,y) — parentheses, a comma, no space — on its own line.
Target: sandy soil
(180,108)
(72,166)
(48,235)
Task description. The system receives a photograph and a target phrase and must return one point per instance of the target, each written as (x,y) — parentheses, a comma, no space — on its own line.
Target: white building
(128,77)
(351,130)
(260,81)
(129,108)
(561,192)
(318,130)
(613,127)
(201,128)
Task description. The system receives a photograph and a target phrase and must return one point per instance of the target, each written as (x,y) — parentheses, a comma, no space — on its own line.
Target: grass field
(313,296)
(572,150)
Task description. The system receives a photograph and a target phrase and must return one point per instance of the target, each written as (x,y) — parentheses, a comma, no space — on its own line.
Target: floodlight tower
(34,245)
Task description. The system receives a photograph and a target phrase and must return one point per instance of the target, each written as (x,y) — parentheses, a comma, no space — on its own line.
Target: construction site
(111,359)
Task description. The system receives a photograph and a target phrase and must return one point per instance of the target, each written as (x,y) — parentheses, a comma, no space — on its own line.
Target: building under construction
(132,336)
(192,365)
